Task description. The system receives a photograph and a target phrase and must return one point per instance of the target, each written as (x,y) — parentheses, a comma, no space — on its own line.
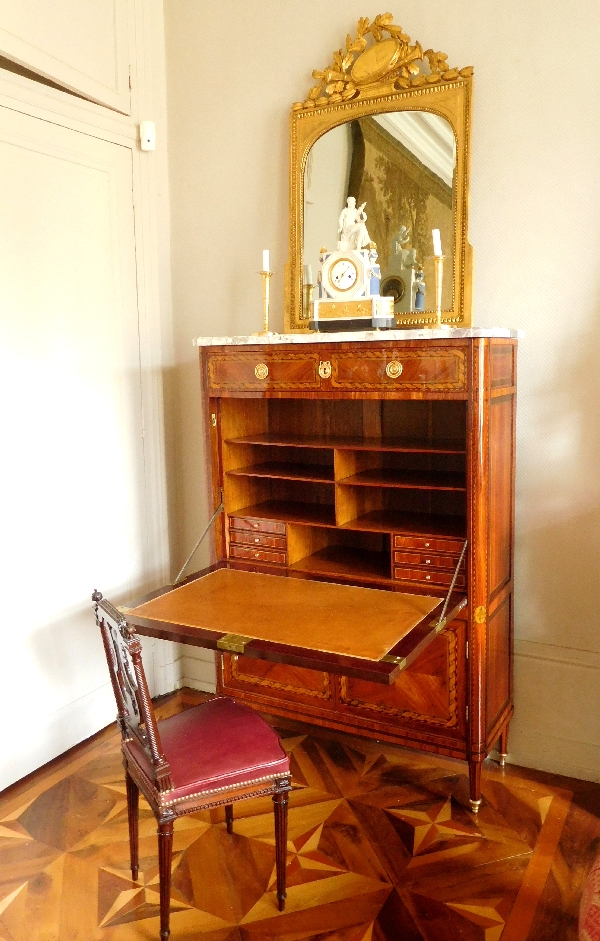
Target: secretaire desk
(368,462)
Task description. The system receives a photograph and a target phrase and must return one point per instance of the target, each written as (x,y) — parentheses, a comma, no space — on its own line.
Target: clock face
(343,274)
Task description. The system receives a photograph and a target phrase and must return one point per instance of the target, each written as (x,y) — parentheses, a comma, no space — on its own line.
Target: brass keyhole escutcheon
(261,371)
(393,369)
(325,369)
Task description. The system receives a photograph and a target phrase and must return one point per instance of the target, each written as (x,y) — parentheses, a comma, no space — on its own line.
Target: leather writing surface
(339,619)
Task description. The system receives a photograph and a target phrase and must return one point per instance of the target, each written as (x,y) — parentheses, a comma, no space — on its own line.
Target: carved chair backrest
(135,714)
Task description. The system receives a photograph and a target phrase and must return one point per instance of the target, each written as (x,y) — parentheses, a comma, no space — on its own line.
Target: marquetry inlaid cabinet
(372,462)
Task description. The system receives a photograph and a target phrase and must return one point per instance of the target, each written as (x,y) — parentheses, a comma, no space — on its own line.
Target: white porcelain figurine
(352,227)
(407,255)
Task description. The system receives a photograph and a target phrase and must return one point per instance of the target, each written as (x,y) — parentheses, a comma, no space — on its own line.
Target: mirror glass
(402,166)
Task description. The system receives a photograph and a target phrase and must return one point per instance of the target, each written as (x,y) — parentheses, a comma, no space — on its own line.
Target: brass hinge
(399,661)
(467,649)
(467,711)
(233,643)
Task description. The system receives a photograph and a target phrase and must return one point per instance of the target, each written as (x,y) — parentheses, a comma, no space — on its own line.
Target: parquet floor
(381,848)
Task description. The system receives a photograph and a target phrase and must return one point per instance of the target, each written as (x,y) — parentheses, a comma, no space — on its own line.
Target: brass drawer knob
(255,525)
(427,561)
(257,539)
(325,369)
(393,369)
(261,371)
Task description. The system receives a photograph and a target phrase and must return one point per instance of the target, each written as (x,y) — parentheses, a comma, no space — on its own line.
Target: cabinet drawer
(424,575)
(262,371)
(426,370)
(424,558)
(260,526)
(434,543)
(250,539)
(257,555)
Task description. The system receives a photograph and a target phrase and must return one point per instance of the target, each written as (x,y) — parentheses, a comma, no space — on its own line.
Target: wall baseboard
(556,726)
(58,731)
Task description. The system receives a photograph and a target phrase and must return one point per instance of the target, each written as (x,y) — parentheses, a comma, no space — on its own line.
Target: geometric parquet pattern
(381,847)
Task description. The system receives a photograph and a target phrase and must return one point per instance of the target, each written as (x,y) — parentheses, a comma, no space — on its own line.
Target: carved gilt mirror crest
(385,130)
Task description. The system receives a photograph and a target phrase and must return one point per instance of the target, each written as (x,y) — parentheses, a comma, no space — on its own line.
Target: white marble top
(362,336)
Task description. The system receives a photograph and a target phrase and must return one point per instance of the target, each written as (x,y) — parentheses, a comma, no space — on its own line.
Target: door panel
(72,474)
(82,46)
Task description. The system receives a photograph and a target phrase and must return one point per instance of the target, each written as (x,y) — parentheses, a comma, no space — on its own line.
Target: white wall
(233,72)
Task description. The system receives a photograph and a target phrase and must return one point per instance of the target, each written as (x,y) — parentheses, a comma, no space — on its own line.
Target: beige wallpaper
(233,71)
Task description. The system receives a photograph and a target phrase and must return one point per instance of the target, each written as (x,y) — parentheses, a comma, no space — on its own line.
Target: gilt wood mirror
(387,125)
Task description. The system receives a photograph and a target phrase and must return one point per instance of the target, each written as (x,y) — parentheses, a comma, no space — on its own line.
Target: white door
(72,498)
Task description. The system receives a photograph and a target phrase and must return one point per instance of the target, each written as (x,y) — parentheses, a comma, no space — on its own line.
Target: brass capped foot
(502,759)
(475,805)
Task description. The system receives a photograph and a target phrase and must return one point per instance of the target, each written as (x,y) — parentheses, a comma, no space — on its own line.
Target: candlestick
(266,276)
(437,242)
(438,261)
(265,266)
(307,291)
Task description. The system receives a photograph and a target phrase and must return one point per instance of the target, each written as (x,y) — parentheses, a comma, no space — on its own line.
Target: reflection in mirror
(402,165)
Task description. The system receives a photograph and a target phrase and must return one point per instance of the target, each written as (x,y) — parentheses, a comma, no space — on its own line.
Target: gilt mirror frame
(381,71)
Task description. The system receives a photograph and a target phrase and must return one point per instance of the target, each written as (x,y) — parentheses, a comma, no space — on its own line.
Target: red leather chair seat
(215,746)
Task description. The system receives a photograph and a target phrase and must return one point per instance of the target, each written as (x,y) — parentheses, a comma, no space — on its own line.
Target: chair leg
(280,800)
(165,855)
(133,800)
(229,817)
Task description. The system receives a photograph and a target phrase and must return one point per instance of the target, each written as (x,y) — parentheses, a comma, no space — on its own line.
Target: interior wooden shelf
(349,443)
(399,521)
(414,480)
(377,521)
(346,562)
(313,514)
(319,473)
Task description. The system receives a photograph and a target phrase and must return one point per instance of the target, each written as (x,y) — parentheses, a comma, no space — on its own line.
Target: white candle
(308,274)
(265,266)
(437,242)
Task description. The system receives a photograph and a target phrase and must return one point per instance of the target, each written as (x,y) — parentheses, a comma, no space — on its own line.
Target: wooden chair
(211,755)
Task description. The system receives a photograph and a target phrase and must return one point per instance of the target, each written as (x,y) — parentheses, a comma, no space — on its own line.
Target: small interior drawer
(424,575)
(257,555)
(258,539)
(257,525)
(434,544)
(424,558)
